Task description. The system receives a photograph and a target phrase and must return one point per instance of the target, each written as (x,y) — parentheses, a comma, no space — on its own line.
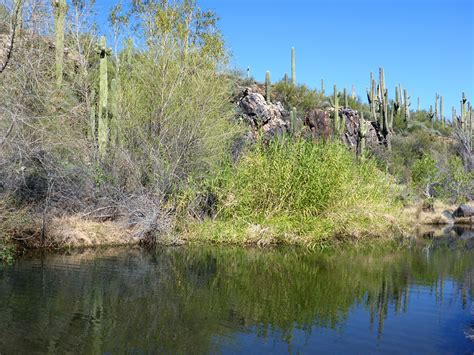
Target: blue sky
(425,45)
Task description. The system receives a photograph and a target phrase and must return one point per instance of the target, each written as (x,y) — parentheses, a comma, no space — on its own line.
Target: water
(230,300)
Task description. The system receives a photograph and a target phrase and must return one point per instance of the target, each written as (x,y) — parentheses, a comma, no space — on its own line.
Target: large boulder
(464,211)
(319,123)
(271,118)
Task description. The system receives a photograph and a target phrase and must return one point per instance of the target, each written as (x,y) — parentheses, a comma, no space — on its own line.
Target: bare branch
(12,40)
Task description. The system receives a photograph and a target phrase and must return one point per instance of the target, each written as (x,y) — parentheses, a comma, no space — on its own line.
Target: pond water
(233,300)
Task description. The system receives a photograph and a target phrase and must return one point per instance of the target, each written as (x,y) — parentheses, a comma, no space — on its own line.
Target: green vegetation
(300,193)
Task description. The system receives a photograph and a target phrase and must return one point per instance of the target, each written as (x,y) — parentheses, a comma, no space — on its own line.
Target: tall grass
(301,193)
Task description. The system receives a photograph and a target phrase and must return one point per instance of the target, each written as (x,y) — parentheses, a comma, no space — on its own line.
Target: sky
(427,46)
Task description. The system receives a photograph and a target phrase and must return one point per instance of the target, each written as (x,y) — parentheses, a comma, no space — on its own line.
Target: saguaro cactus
(268,87)
(462,121)
(114,98)
(337,122)
(418,105)
(436,115)
(362,134)
(371,97)
(60,9)
(454,118)
(293,66)
(397,102)
(103,124)
(93,122)
(441,119)
(353,94)
(406,99)
(322,87)
(431,116)
(346,101)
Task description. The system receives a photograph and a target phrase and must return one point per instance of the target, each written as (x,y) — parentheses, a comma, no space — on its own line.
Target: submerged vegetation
(147,136)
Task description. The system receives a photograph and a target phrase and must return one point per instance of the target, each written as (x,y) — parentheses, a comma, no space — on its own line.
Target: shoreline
(73,232)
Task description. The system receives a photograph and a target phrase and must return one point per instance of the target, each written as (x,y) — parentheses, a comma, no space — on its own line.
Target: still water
(229,300)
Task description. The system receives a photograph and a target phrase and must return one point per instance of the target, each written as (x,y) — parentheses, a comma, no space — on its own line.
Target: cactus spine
(293,67)
(60,9)
(268,87)
(103,126)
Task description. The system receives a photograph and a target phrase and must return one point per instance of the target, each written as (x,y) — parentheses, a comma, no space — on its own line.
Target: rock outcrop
(319,123)
(464,214)
(270,118)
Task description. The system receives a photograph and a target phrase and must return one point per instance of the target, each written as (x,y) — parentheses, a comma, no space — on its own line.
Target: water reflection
(201,300)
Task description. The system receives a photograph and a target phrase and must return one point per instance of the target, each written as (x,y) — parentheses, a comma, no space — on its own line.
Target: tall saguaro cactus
(103,124)
(371,97)
(406,99)
(436,115)
(362,135)
(60,9)
(322,87)
(268,87)
(337,122)
(453,117)
(441,119)
(462,122)
(293,66)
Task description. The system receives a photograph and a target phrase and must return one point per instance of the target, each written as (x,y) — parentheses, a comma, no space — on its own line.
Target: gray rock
(447,217)
(464,211)
(271,118)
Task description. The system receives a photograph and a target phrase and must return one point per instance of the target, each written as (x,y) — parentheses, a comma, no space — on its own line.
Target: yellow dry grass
(76,232)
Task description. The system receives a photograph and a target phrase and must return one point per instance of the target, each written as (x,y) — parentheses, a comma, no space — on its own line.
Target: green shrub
(300,96)
(424,171)
(303,193)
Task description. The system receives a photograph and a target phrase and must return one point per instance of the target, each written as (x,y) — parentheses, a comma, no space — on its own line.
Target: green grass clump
(300,193)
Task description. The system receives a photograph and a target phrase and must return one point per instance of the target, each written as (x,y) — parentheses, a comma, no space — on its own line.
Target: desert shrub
(301,97)
(424,171)
(175,119)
